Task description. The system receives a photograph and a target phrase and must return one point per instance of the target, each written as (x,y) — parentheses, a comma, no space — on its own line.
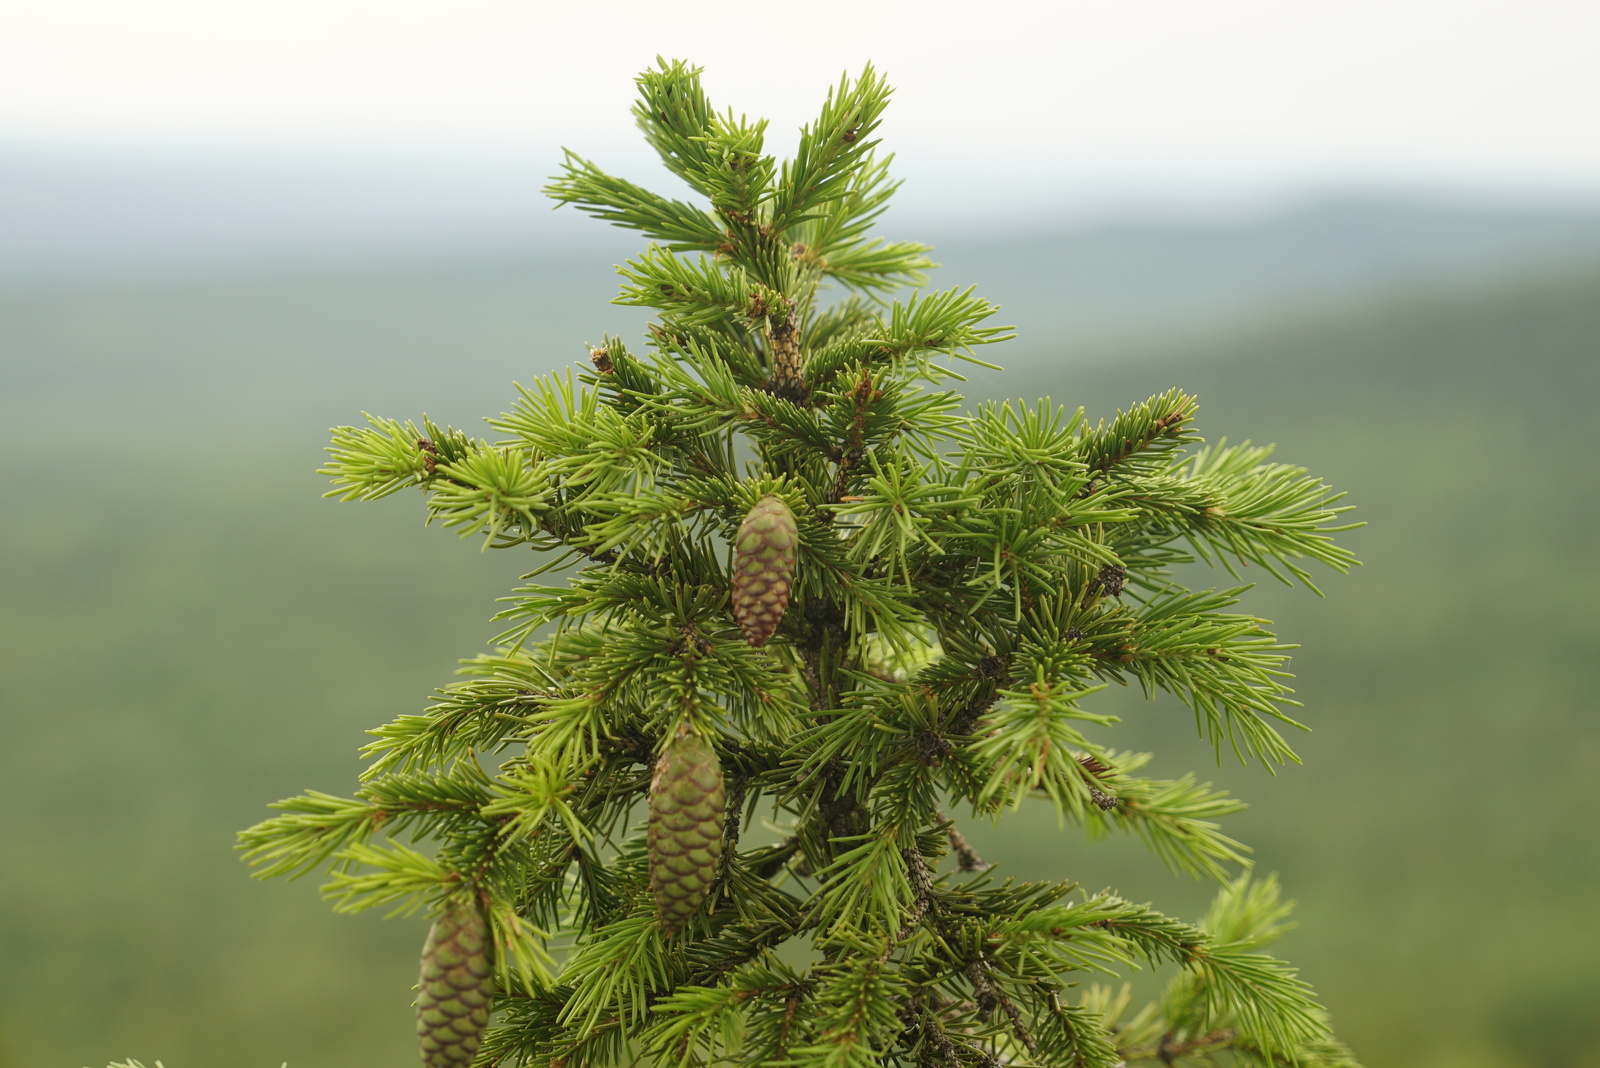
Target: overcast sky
(1161,91)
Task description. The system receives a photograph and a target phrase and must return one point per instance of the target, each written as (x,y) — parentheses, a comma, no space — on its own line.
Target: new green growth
(699,804)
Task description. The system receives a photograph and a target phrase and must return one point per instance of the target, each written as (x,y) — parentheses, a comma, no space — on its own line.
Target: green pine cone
(763,568)
(453,994)
(685,836)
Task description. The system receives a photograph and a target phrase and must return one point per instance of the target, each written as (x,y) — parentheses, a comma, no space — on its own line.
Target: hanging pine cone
(763,568)
(453,995)
(685,835)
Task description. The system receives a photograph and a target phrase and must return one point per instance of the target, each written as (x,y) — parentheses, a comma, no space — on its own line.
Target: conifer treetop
(942,592)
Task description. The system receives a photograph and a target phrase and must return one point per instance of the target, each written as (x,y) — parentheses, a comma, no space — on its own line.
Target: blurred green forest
(189,632)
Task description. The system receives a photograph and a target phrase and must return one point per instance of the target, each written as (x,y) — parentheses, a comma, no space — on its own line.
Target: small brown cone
(453,994)
(763,568)
(685,834)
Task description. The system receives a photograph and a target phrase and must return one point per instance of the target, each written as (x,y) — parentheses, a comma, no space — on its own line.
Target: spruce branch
(832,149)
(967,858)
(682,226)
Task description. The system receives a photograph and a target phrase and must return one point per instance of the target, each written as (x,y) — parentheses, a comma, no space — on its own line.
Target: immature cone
(763,568)
(685,836)
(453,995)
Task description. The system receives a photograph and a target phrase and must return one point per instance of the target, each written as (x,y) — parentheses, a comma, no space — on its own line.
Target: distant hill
(187,632)
(407,306)
(103,215)
(105,220)
(1079,292)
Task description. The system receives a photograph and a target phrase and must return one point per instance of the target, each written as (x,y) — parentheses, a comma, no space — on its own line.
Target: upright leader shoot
(699,805)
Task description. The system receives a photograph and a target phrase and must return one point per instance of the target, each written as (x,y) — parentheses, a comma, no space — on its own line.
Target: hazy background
(1369,232)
